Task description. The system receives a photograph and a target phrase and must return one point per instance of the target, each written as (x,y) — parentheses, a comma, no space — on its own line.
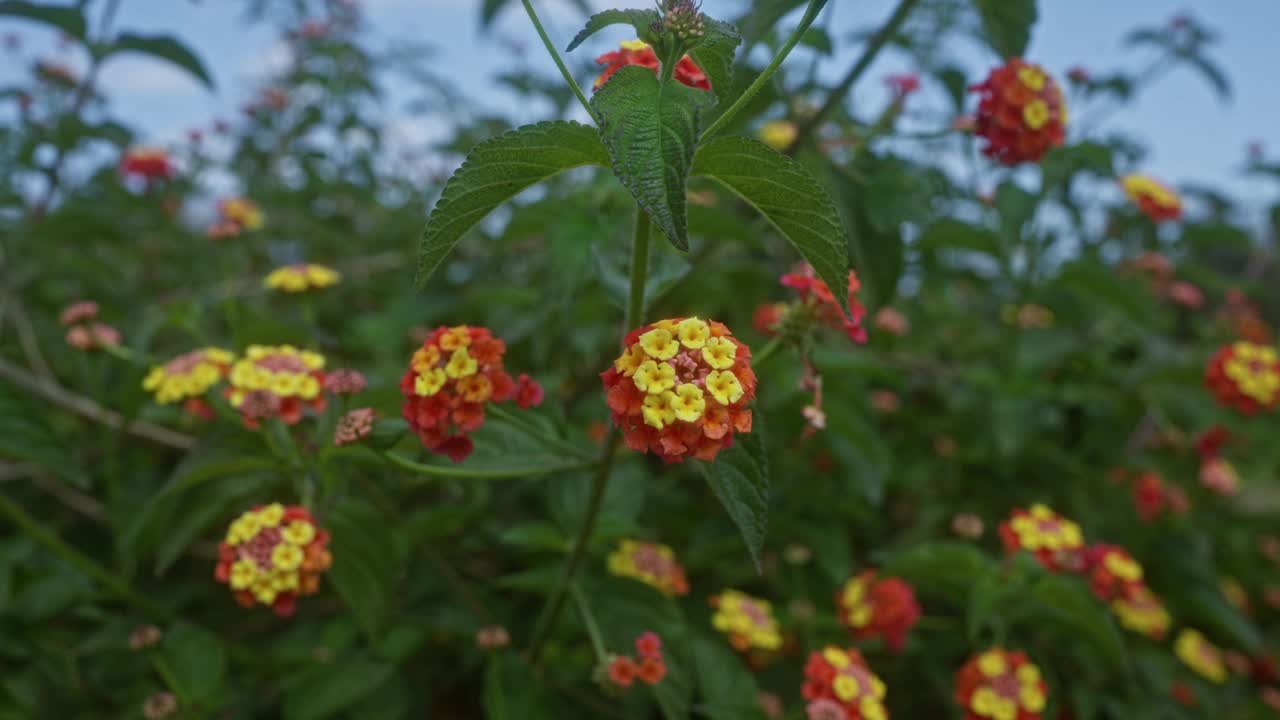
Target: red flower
(649,645)
(147,162)
(999,684)
(1112,572)
(681,389)
(622,671)
(635,52)
(528,392)
(1149,496)
(1021,113)
(903,84)
(1057,542)
(884,608)
(838,683)
(1156,200)
(1209,443)
(817,296)
(652,670)
(1245,376)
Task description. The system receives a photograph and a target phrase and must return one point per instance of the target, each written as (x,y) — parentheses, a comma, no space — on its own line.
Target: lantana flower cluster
(1245,376)
(1117,579)
(1152,197)
(150,163)
(681,389)
(236,215)
(1056,542)
(839,685)
(999,684)
(648,665)
(878,607)
(456,372)
(273,554)
(276,381)
(747,621)
(84,331)
(653,564)
(1021,113)
(817,302)
(1202,656)
(301,278)
(189,375)
(638,52)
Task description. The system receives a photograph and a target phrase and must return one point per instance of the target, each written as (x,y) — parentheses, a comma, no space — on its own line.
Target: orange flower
(1245,376)
(636,52)
(1156,200)
(1056,541)
(1001,685)
(681,389)
(450,379)
(622,670)
(816,295)
(1141,611)
(1021,113)
(239,214)
(838,684)
(271,555)
(885,608)
(277,381)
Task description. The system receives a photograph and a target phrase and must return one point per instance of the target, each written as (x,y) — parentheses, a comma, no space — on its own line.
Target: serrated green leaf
(69,20)
(788,196)
(740,479)
(638,19)
(496,171)
(1007,25)
(365,563)
(650,130)
(164,47)
(715,56)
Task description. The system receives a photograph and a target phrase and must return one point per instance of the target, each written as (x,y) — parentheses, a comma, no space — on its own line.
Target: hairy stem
(874,46)
(815,7)
(551,49)
(639,271)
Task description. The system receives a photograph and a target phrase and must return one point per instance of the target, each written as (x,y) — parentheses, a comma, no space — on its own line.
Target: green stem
(537,433)
(474,474)
(551,49)
(877,42)
(39,532)
(593,629)
(815,7)
(769,350)
(546,622)
(639,270)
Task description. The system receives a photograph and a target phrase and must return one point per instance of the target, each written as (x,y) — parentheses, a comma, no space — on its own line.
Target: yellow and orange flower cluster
(1245,376)
(450,379)
(747,621)
(276,381)
(681,389)
(653,564)
(1142,612)
(1056,541)
(273,554)
(236,215)
(839,684)
(1202,656)
(301,278)
(1117,579)
(637,52)
(1001,685)
(1155,199)
(1021,113)
(878,607)
(189,375)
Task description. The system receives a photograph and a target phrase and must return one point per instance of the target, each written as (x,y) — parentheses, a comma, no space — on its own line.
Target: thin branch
(83,406)
(551,49)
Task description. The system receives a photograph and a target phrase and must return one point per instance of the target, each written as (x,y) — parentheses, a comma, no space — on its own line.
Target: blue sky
(1191,137)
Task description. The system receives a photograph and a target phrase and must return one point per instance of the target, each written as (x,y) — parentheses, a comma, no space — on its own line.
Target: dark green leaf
(325,690)
(164,47)
(650,130)
(496,171)
(1213,74)
(1069,603)
(638,19)
(715,56)
(788,196)
(365,563)
(69,20)
(25,435)
(740,478)
(726,688)
(956,235)
(511,692)
(197,661)
(1007,25)
(945,566)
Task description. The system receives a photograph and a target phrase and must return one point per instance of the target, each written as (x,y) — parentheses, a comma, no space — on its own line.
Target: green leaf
(26,436)
(1016,207)
(325,690)
(1070,603)
(1217,79)
(788,196)
(1098,283)
(638,19)
(496,171)
(164,47)
(956,235)
(1007,25)
(198,468)
(945,566)
(740,478)
(650,131)
(69,20)
(511,692)
(366,563)
(197,661)
(725,686)
(715,56)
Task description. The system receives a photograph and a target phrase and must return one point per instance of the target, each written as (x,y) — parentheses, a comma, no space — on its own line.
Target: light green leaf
(69,20)
(650,131)
(726,689)
(788,196)
(740,478)
(715,56)
(1007,25)
(496,171)
(638,19)
(366,563)
(167,48)
(325,690)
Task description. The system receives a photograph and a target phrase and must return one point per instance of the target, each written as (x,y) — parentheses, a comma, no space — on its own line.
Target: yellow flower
(659,343)
(243,574)
(992,664)
(1200,655)
(630,361)
(1123,567)
(845,687)
(1036,114)
(720,353)
(270,515)
(430,382)
(872,709)
(1033,78)
(689,402)
(654,378)
(298,533)
(1032,698)
(837,657)
(300,278)
(659,410)
(724,386)
(461,364)
(693,333)
(286,556)
(778,134)
(475,389)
